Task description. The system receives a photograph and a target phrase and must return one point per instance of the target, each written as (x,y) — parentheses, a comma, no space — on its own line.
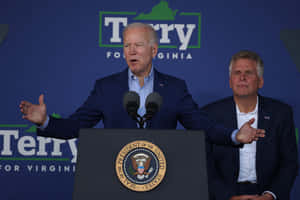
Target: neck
(141,76)
(246,104)
(141,81)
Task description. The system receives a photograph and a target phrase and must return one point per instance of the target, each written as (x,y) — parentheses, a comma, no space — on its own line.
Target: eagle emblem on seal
(141,163)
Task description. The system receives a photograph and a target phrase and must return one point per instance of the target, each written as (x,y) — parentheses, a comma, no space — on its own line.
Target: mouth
(242,86)
(133,60)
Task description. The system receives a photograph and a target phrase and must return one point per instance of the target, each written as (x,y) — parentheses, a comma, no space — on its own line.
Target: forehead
(136,33)
(244,64)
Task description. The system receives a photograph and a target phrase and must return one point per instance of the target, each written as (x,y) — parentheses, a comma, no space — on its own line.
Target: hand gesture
(35,113)
(248,134)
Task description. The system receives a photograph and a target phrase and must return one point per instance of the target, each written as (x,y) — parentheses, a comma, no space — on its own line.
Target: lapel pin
(267,117)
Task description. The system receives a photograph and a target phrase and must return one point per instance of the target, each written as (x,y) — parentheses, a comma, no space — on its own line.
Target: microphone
(131,103)
(153,104)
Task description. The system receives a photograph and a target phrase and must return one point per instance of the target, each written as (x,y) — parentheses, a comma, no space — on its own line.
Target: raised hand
(35,113)
(248,134)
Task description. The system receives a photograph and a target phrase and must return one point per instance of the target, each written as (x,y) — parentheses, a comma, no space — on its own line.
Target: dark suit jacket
(276,153)
(105,103)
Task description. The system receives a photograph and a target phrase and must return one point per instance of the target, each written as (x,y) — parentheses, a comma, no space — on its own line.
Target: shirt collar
(131,76)
(249,113)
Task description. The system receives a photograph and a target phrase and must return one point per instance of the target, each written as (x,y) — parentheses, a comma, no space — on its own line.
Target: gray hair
(151,31)
(251,55)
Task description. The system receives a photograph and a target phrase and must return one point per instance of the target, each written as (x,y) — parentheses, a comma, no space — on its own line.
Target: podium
(96,176)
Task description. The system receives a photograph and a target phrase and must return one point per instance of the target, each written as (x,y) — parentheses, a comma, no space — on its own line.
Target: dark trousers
(247,188)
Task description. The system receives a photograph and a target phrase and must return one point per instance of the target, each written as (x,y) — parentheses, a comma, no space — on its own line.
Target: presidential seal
(140,166)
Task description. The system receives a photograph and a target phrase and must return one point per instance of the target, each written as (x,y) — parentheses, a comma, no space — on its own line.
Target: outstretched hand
(248,134)
(35,113)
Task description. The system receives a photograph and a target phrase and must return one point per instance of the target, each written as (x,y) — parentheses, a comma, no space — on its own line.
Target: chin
(243,95)
(134,69)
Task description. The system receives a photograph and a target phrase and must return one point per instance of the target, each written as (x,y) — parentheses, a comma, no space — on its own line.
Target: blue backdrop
(59,48)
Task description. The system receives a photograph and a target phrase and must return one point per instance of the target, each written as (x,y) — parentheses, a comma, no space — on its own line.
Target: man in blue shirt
(105,101)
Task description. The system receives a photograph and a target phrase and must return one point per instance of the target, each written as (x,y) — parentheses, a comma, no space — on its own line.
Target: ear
(261,82)
(230,85)
(154,50)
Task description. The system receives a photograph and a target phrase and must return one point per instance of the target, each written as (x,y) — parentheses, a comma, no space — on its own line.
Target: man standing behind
(264,169)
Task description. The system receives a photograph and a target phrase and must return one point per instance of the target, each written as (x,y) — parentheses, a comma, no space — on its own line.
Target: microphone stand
(141,120)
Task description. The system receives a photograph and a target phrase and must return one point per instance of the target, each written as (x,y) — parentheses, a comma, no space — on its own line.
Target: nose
(132,50)
(243,77)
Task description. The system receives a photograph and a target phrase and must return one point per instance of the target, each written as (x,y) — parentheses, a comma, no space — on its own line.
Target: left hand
(248,134)
(265,196)
(243,197)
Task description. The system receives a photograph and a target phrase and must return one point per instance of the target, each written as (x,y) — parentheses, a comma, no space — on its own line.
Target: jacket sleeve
(86,116)
(191,117)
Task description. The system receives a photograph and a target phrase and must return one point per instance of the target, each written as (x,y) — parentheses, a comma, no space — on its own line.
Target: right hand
(248,134)
(35,113)
(243,197)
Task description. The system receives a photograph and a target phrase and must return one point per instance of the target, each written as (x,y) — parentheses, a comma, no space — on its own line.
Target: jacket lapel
(122,87)
(159,86)
(264,119)
(123,78)
(233,123)
(160,83)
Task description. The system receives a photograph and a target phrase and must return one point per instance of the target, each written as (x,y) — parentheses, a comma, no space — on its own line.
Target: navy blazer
(276,153)
(105,102)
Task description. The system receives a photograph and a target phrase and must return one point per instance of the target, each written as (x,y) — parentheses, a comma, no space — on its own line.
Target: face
(138,51)
(244,79)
